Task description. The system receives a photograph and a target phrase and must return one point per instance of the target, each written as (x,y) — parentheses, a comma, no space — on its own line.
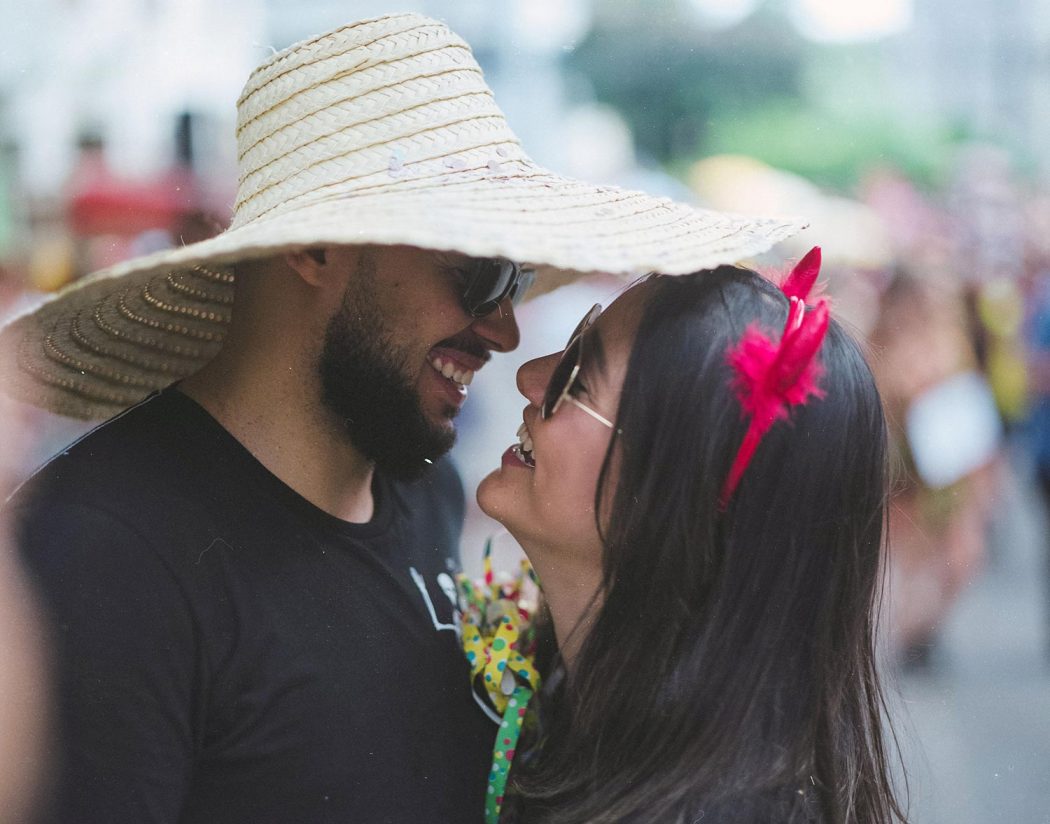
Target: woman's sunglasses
(490,281)
(563,378)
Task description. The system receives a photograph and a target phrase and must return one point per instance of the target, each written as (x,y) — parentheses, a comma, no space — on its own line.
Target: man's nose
(499,328)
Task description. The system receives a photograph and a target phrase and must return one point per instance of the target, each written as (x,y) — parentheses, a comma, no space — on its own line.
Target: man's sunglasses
(490,281)
(563,378)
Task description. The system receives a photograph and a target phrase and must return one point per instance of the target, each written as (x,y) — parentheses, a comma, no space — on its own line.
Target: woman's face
(544,491)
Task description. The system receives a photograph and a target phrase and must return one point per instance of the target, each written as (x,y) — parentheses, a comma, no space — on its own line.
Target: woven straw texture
(382,131)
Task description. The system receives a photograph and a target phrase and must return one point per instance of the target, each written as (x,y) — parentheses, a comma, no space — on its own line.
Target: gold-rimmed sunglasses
(563,378)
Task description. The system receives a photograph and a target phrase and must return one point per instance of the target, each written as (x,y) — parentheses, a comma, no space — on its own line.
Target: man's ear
(309,264)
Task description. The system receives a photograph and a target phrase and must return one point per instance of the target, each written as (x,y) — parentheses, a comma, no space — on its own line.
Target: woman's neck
(571,591)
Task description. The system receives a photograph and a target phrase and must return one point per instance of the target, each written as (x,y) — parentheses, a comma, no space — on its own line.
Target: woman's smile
(523,449)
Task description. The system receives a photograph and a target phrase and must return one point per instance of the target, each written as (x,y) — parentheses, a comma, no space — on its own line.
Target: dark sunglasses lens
(561,376)
(491,280)
(518,290)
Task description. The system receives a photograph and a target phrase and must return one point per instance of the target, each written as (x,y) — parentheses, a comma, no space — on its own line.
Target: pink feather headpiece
(771,377)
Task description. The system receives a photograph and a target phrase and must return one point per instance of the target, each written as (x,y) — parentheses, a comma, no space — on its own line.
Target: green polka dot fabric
(500,644)
(503,752)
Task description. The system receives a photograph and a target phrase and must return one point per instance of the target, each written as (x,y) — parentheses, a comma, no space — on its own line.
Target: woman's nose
(534,375)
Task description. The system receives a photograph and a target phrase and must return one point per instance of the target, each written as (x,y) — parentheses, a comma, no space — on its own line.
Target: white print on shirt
(449,588)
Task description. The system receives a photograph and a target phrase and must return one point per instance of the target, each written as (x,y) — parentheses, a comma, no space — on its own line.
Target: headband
(769,378)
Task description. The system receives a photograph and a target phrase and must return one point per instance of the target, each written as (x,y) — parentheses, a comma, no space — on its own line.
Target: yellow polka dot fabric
(499,643)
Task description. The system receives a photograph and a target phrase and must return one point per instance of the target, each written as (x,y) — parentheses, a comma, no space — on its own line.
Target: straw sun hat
(382,131)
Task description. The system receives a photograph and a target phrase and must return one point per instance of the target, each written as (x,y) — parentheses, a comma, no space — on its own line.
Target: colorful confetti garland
(500,643)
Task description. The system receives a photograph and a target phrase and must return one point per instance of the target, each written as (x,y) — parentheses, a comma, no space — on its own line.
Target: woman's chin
(495,500)
(485,494)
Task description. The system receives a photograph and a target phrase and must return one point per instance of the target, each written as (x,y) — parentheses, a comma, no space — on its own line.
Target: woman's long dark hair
(729,673)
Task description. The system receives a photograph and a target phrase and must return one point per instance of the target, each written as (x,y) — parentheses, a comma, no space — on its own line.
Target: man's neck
(279,418)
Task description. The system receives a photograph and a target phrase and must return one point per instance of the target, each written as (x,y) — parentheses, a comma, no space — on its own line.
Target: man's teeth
(453,372)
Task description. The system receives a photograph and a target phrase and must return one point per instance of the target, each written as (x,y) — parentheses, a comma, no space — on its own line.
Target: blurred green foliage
(828,147)
(669,77)
(759,89)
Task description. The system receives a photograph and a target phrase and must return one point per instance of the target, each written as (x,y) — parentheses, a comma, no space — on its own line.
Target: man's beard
(363,383)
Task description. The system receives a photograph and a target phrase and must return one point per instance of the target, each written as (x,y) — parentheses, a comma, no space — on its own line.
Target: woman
(711,570)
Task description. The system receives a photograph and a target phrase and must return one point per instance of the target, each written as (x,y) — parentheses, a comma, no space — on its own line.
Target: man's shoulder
(131,457)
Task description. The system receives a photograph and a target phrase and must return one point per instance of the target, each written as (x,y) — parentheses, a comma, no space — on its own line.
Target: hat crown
(348,110)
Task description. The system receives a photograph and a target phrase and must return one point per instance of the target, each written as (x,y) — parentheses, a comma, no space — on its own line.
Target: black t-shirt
(225,651)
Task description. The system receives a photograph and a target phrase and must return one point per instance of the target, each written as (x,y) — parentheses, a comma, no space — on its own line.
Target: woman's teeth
(524,445)
(453,372)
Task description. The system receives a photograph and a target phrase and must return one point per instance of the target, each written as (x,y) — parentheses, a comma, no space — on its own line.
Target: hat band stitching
(93,347)
(177,350)
(369,149)
(385,41)
(513,197)
(384,68)
(60,356)
(437,183)
(196,294)
(69,383)
(356,98)
(361,126)
(212,275)
(309,43)
(440,179)
(188,311)
(175,328)
(288,198)
(423,183)
(306,52)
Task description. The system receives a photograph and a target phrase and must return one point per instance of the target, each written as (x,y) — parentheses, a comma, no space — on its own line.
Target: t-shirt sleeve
(125,662)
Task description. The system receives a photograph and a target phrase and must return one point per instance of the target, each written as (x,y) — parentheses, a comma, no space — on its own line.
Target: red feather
(771,377)
(800,282)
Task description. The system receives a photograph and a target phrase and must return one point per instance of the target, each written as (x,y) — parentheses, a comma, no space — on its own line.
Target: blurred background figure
(1037,341)
(945,430)
(911,133)
(23,689)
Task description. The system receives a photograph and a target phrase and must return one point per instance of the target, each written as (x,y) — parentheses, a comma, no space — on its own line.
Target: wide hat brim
(379,132)
(106,341)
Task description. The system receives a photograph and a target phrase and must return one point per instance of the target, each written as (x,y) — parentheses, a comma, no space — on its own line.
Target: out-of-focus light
(598,144)
(721,14)
(846,20)
(550,24)
(850,233)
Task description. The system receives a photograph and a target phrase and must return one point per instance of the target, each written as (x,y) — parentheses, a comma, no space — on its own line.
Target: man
(248,574)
